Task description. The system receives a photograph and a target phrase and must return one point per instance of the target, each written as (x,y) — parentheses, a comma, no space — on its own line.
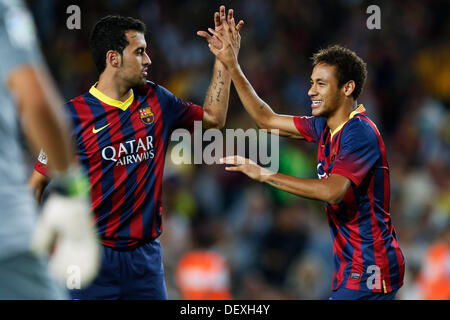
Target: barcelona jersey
(122,147)
(366,252)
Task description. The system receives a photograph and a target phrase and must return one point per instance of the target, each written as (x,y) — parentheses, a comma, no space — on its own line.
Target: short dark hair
(109,34)
(348,66)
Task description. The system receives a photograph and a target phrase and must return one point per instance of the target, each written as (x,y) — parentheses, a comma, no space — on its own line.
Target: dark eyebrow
(318,79)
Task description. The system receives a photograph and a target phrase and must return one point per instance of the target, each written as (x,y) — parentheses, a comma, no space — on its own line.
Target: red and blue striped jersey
(366,252)
(122,146)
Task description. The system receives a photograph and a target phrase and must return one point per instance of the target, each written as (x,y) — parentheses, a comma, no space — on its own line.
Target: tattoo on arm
(218,94)
(216,88)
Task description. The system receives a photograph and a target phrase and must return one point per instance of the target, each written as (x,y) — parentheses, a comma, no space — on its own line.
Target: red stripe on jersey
(119,173)
(136,223)
(92,148)
(159,156)
(338,245)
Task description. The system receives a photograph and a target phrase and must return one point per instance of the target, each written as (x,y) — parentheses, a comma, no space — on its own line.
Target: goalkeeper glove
(67,225)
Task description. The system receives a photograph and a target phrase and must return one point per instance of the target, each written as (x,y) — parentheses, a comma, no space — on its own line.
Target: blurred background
(226,236)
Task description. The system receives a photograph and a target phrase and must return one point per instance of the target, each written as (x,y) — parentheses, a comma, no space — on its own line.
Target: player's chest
(327,153)
(123,130)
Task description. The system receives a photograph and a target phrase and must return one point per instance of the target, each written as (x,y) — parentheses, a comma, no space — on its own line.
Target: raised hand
(225,28)
(246,166)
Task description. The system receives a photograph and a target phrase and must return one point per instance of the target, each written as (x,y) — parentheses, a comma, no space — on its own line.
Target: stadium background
(278,246)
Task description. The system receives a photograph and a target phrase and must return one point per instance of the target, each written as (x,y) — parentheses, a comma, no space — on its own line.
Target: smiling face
(325,93)
(135,61)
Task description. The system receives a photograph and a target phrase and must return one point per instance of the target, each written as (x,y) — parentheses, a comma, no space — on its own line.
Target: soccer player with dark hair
(122,128)
(352,168)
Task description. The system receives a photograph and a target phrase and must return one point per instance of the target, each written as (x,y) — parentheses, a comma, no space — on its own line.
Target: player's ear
(113,58)
(349,87)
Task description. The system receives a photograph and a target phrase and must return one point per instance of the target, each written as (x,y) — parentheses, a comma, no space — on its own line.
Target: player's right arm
(259,110)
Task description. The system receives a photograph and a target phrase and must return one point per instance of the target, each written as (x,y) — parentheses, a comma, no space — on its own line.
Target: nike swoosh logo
(98,130)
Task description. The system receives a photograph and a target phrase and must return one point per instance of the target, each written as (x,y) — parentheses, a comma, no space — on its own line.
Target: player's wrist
(265,175)
(234,68)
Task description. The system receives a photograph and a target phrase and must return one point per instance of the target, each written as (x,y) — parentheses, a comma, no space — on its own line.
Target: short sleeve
(18,38)
(310,128)
(41,164)
(178,113)
(186,113)
(359,151)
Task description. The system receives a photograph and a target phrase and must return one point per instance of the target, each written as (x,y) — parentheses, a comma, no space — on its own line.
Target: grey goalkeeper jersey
(18,210)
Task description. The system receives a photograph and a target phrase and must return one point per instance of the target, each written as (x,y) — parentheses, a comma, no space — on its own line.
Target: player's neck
(111,88)
(341,115)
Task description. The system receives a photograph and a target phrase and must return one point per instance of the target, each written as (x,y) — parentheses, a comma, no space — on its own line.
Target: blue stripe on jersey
(105,207)
(76,132)
(327,151)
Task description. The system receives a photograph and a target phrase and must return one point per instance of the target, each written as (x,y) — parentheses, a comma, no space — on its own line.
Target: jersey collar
(360,109)
(110,101)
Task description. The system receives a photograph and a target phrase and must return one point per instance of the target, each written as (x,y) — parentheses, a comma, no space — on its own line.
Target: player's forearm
(253,104)
(308,188)
(217,98)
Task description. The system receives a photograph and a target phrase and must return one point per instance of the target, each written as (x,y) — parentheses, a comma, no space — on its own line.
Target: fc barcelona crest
(333,157)
(147,115)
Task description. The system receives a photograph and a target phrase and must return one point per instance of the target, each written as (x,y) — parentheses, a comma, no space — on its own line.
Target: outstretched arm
(331,190)
(260,111)
(216,101)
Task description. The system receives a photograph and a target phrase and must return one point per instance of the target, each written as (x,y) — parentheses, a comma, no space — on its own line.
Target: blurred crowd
(230,235)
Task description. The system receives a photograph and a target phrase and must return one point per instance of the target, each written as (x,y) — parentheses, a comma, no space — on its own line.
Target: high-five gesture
(225,40)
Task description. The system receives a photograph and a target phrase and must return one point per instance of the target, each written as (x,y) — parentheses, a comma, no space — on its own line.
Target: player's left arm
(215,106)
(331,190)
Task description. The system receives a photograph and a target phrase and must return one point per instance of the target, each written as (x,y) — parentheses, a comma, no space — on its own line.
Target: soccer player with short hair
(122,128)
(351,165)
